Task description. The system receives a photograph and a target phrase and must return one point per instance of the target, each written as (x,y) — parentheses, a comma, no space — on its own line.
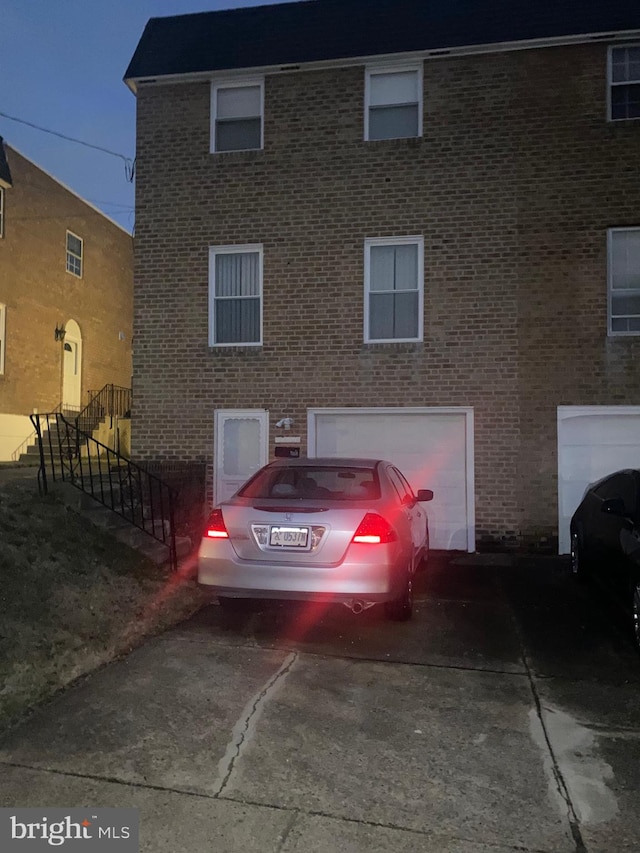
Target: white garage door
(593,441)
(432,447)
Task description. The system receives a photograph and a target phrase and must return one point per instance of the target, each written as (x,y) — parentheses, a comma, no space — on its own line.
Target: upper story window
(237,109)
(624,281)
(624,82)
(74,254)
(1,212)
(235,295)
(394,289)
(3,326)
(393,102)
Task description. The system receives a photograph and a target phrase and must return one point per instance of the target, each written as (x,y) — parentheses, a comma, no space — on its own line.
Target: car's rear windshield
(314,483)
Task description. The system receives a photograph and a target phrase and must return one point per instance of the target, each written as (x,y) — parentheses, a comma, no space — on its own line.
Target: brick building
(66,298)
(394,229)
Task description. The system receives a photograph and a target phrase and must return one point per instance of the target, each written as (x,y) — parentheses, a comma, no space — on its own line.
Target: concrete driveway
(504,717)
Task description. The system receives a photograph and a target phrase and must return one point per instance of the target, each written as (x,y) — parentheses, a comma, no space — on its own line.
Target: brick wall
(40,294)
(513,185)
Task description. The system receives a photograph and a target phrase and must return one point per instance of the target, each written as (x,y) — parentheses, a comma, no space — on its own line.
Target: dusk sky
(61,67)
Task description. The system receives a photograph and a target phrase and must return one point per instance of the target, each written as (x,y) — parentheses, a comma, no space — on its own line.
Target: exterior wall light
(287,423)
(59,333)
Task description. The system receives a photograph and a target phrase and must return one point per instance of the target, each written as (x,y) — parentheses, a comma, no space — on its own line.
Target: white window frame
(393,241)
(1,212)
(233,250)
(235,83)
(3,336)
(611,84)
(635,292)
(391,69)
(80,257)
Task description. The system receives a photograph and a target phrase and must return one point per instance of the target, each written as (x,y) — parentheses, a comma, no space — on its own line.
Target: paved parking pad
(163,717)
(504,717)
(436,751)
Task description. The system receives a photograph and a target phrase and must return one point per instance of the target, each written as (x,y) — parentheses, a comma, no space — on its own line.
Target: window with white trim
(237,110)
(394,289)
(624,82)
(1,212)
(3,327)
(74,254)
(235,295)
(624,281)
(393,102)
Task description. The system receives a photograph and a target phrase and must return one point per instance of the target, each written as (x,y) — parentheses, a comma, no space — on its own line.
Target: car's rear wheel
(401,608)
(578,559)
(233,605)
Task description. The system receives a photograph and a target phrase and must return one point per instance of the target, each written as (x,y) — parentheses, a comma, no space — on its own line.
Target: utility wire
(129,164)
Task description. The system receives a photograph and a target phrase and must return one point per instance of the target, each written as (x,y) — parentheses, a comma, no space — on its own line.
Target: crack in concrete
(561,785)
(246,723)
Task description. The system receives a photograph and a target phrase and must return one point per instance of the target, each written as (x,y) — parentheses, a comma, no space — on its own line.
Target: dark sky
(61,67)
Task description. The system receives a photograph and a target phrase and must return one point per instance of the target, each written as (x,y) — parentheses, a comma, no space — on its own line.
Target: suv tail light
(374,530)
(215,528)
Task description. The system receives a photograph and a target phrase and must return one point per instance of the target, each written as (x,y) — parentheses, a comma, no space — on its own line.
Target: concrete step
(123,530)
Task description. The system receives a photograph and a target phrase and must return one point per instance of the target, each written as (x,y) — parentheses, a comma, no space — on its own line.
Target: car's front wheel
(635,612)
(578,561)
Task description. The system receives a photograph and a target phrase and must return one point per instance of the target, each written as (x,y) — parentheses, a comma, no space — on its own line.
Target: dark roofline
(321,31)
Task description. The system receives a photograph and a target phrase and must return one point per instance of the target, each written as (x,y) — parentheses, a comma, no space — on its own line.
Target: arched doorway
(72,367)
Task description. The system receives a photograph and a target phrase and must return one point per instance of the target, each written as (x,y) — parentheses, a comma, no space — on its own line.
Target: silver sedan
(332,530)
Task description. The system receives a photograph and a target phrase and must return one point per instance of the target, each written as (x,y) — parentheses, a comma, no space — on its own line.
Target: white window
(624,281)
(235,295)
(3,326)
(236,115)
(394,285)
(624,82)
(393,102)
(1,212)
(74,254)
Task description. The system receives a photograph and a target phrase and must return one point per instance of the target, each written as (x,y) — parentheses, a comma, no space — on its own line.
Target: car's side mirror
(614,506)
(424,495)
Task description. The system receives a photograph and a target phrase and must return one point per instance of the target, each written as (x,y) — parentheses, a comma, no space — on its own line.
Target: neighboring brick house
(401,229)
(66,298)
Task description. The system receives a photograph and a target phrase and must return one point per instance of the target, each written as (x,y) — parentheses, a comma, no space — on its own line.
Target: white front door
(71,374)
(241,448)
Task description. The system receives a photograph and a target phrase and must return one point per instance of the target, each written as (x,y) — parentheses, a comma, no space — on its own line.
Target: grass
(71,597)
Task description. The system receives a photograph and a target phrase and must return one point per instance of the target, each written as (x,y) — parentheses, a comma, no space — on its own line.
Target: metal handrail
(17,453)
(111,401)
(132,492)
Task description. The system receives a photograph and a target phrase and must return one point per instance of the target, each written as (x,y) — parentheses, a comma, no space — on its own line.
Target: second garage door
(432,447)
(593,441)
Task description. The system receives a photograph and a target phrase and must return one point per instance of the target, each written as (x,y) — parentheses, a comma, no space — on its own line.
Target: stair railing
(111,401)
(133,493)
(17,453)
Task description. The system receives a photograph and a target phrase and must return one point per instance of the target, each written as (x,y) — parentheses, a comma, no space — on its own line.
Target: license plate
(289,537)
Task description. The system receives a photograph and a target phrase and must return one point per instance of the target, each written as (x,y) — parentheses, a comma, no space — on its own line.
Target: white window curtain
(393,292)
(238,118)
(237,297)
(624,280)
(394,105)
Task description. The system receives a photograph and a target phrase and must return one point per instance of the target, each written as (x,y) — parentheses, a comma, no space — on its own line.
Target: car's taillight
(215,528)
(374,530)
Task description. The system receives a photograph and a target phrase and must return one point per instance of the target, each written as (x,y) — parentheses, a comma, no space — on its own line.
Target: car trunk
(268,530)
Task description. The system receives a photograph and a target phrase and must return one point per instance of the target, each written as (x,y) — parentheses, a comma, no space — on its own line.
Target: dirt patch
(72,598)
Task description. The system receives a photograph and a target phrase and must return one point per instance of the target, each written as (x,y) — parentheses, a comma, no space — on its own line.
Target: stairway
(121,529)
(109,489)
